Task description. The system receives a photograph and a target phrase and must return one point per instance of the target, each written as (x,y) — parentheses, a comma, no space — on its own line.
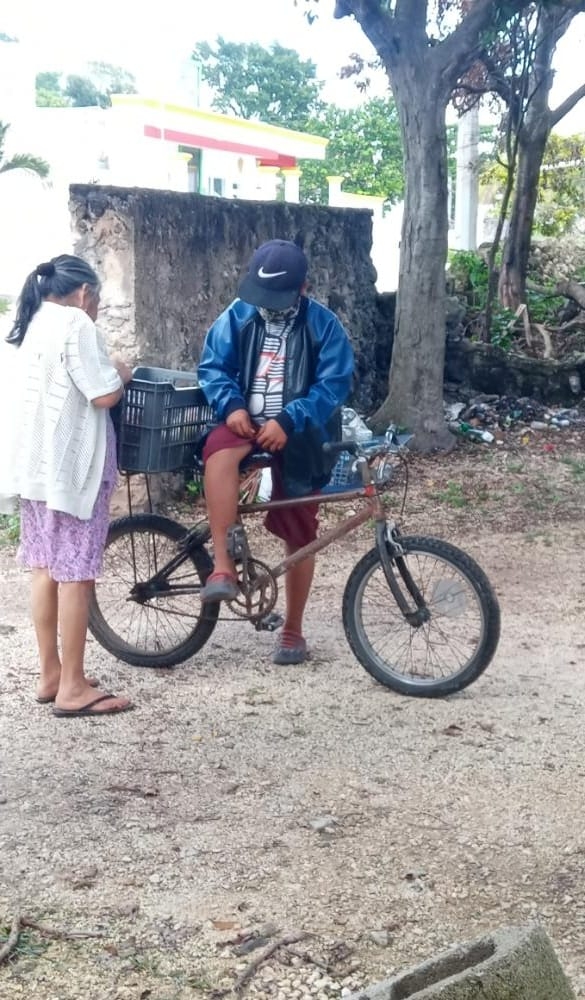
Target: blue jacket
(317,381)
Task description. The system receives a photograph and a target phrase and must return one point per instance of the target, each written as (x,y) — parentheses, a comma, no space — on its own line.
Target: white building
(138,142)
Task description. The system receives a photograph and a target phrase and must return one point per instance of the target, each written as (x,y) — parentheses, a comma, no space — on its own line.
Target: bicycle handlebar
(336,447)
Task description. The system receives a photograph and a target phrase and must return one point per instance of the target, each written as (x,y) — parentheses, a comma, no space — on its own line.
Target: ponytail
(59,277)
(28,303)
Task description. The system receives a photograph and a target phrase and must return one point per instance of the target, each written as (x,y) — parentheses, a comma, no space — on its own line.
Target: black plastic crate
(161,421)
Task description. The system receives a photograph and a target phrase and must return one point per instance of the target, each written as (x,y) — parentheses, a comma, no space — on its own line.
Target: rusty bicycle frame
(386,532)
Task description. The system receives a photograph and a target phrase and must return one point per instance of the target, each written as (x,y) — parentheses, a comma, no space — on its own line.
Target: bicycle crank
(258,591)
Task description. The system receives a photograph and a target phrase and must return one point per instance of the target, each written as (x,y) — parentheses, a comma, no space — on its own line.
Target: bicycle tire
(126,537)
(366,627)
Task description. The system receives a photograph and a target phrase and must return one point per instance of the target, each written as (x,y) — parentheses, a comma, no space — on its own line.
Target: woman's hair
(59,277)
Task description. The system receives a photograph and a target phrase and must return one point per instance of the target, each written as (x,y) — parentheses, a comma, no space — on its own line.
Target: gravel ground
(242,801)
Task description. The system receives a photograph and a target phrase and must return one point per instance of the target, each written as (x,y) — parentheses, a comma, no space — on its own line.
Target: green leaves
(20,161)
(92,90)
(365,148)
(276,86)
(561,188)
(271,84)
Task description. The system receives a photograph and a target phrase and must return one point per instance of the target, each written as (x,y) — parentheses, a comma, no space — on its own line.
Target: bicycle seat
(257,460)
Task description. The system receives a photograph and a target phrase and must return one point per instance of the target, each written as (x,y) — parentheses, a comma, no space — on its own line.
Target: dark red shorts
(297,526)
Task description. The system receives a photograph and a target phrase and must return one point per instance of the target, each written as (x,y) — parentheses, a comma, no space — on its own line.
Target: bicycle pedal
(236,542)
(270,623)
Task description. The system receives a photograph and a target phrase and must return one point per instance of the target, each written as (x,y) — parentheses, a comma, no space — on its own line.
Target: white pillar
(335,183)
(292,176)
(179,171)
(268,177)
(467,181)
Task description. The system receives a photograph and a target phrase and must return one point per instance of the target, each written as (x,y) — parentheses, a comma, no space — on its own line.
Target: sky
(152,40)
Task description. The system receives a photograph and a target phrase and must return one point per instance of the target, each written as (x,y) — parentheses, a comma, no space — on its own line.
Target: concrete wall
(170,262)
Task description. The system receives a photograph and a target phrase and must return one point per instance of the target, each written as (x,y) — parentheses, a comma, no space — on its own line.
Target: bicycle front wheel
(142,612)
(445,653)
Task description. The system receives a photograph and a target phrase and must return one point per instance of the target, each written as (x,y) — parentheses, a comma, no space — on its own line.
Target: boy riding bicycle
(276,367)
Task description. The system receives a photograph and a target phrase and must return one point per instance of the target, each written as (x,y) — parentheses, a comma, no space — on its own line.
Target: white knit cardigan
(52,439)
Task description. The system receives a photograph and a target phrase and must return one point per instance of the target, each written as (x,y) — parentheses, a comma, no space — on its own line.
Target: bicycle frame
(374,509)
(155,559)
(387,541)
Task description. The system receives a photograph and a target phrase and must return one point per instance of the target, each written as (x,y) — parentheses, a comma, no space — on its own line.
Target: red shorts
(297,526)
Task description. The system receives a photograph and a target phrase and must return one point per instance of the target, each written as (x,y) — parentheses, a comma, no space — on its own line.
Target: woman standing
(60,461)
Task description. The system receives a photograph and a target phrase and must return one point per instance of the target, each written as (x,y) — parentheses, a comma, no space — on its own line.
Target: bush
(9,528)
(469,274)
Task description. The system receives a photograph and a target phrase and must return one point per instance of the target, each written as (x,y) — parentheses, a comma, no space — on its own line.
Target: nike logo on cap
(265,274)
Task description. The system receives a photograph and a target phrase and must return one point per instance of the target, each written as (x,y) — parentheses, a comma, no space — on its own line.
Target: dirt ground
(172,833)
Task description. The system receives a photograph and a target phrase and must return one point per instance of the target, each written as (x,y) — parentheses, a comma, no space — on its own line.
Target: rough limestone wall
(178,258)
(104,236)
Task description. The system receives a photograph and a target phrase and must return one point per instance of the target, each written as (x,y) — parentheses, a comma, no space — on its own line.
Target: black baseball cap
(276,274)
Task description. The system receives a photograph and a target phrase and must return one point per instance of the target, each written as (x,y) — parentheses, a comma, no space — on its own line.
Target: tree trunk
(532,139)
(512,284)
(415,397)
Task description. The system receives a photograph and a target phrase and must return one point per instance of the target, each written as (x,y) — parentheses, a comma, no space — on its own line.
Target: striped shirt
(266,395)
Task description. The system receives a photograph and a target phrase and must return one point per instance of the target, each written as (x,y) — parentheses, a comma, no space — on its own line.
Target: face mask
(278,315)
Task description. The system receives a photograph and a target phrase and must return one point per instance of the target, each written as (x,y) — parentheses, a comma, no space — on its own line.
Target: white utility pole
(467,181)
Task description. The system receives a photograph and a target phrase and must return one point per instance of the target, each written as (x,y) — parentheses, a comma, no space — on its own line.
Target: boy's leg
(297,526)
(222,482)
(297,586)
(292,647)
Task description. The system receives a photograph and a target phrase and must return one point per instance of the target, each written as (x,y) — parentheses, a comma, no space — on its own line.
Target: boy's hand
(271,436)
(239,422)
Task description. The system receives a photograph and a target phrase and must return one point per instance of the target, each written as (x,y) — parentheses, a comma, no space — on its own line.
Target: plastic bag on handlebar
(353,428)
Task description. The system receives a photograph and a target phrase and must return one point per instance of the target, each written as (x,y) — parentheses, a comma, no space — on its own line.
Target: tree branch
(578,6)
(377,25)
(12,940)
(570,289)
(414,12)
(567,105)
(459,49)
(496,81)
(263,956)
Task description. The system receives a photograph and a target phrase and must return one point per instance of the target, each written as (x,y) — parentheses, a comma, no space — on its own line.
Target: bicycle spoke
(164,620)
(436,649)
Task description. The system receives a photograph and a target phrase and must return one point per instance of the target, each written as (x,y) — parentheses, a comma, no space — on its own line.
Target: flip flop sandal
(93,683)
(88,710)
(220,587)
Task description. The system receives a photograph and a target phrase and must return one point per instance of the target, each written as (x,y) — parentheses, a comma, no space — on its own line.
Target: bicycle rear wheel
(143,621)
(443,654)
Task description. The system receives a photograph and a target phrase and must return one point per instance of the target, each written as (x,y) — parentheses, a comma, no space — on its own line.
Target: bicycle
(413,607)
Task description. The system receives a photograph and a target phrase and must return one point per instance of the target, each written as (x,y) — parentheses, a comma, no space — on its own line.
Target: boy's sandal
(290,651)
(220,587)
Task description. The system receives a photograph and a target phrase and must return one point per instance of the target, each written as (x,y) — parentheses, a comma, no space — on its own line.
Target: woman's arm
(111,398)
(87,363)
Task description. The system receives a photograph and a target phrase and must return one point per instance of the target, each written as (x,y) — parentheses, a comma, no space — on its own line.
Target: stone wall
(105,238)
(170,262)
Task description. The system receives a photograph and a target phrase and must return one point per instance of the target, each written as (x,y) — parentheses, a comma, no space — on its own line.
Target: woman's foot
(47,687)
(104,704)
(90,700)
